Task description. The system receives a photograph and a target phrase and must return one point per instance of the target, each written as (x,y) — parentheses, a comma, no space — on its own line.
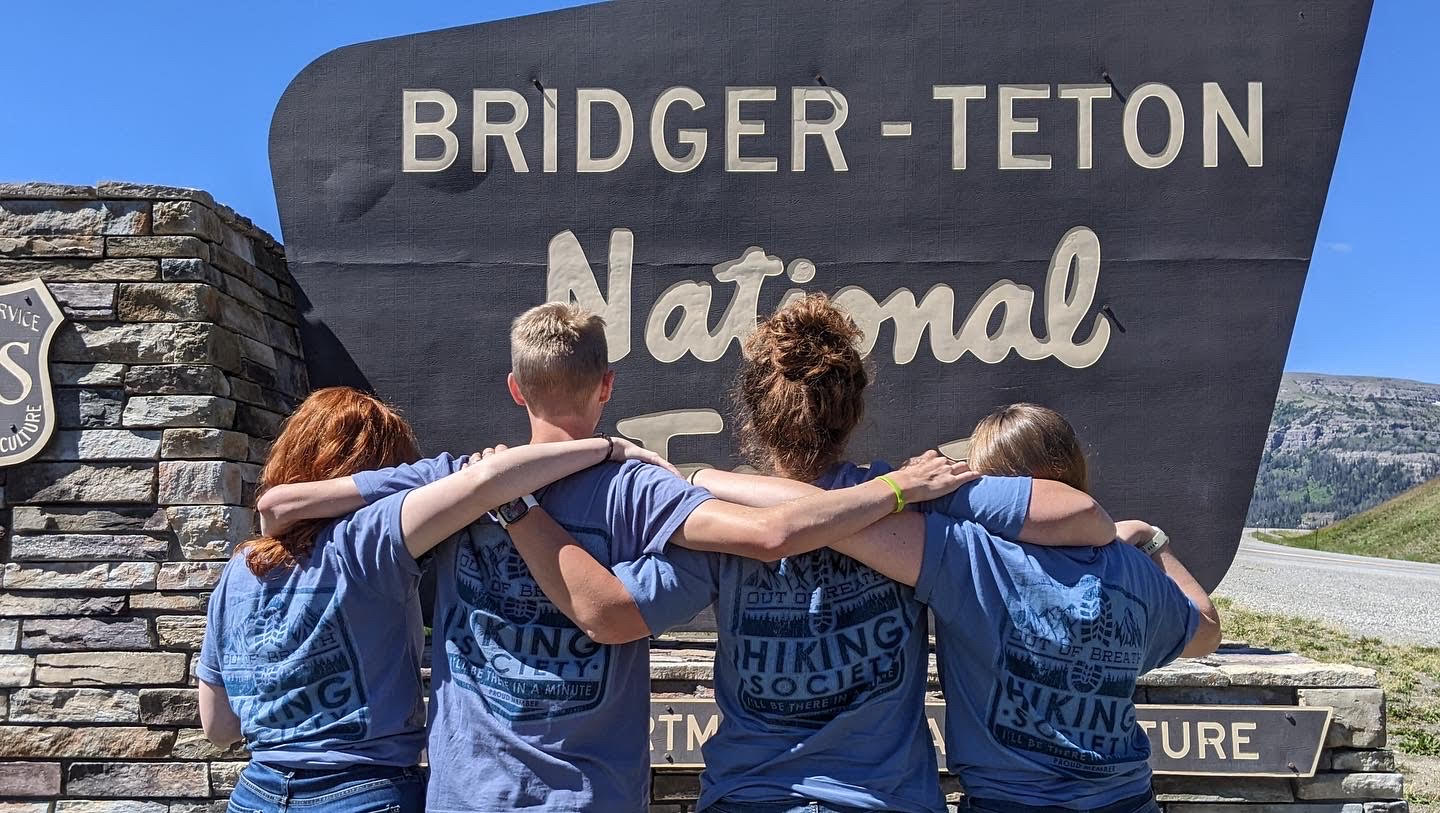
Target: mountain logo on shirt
(1068,663)
(508,643)
(290,668)
(817,634)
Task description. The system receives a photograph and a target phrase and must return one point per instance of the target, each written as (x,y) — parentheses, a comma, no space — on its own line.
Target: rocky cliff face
(1340,444)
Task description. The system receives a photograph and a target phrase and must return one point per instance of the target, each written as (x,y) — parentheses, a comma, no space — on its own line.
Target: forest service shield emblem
(28,320)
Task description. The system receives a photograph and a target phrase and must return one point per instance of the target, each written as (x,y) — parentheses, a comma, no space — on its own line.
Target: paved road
(1385,598)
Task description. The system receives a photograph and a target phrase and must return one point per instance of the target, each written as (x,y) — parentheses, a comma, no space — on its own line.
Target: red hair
(336,432)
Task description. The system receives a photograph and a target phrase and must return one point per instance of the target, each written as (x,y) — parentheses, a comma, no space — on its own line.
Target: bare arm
(582,588)
(815,520)
(1059,515)
(1207,634)
(221,725)
(433,512)
(284,505)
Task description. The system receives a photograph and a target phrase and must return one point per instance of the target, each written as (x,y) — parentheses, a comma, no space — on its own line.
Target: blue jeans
(1144,803)
(787,806)
(358,789)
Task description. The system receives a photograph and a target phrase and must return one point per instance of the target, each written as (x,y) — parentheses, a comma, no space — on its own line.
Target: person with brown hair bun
(313,637)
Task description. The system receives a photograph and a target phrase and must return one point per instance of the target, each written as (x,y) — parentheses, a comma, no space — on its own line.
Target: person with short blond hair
(557,355)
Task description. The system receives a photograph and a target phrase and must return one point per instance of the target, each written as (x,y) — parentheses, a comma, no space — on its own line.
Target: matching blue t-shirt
(322,661)
(821,662)
(527,711)
(1039,650)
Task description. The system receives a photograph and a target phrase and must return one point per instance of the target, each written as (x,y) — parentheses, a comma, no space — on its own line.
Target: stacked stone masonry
(178,359)
(179,356)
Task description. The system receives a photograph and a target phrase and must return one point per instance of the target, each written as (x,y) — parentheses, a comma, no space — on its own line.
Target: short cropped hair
(1029,439)
(558,354)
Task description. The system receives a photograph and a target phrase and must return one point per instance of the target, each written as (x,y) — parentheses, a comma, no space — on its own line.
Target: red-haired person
(312,646)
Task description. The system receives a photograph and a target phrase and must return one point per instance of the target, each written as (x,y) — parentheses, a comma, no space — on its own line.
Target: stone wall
(177,361)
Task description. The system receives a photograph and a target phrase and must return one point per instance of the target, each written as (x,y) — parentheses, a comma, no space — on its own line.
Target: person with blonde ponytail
(314,634)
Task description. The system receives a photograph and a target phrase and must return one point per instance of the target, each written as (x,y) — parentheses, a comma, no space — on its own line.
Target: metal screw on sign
(1111,82)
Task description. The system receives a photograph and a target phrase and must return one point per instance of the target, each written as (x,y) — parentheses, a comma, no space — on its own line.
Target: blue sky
(181,93)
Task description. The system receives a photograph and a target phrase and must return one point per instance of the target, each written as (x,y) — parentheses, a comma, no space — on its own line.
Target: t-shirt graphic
(290,666)
(817,634)
(508,643)
(1068,663)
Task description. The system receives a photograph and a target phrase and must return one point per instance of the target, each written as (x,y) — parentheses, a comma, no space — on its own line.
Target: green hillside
(1339,445)
(1406,527)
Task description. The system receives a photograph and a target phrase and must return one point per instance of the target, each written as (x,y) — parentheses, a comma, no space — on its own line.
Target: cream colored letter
(1084,96)
(1010,126)
(801,125)
(959,96)
(1250,140)
(412,129)
(695,138)
(507,131)
(584,98)
(569,278)
(1132,130)
(735,127)
(20,373)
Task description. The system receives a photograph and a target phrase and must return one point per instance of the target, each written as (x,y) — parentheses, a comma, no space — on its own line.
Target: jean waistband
(1128,805)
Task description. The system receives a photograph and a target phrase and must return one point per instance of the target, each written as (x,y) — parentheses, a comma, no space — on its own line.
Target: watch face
(512,511)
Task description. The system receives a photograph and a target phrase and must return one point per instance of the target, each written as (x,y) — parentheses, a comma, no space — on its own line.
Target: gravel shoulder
(1385,598)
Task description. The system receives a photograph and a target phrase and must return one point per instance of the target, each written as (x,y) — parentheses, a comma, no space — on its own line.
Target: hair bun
(811,337)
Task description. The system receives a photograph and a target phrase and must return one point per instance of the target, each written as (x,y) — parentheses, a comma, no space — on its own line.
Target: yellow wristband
(899,493)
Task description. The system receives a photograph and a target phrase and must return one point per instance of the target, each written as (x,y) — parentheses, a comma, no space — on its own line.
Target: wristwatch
(514,511)
(1156,544)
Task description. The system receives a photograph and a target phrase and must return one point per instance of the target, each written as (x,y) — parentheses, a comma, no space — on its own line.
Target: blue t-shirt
(528,711)
(820,666)
(321,662)
(1039,652)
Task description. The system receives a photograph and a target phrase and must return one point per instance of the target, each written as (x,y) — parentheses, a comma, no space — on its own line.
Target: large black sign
(1107,209)
(1273,741)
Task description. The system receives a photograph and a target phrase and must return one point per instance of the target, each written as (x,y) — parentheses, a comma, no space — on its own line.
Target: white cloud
(1340,248)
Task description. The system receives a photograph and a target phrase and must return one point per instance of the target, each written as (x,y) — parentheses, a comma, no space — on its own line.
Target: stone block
(176,379)
(189,575)
(211,531)
(85,632)
(170,602)
(29,807)
(258,352)
(24,605)
(260,423)
(180,631)
(111,669)
(105,217)
(9,634)
(16,671)
(1351,786)
(88,375)
(82,408)
(223,775)
(138,779)
(204,444)
(39,705)
(1300,675)
(102,444)
(153,246)
(87,547)
(81,576)
(1222,789)
(169,707)
(85,300)
(190,743)
(1362,761)
(243,319)
(169,302)
(109,806)
(52,246)
(1359,718)
(92,742)
(28,779)
(67,270)
(191,270)
(81,482)
(44,189)
(282,337)
(200,482)
(1293,807)
(179,411)
(148,343)
(187,217)
(41,518)
(126,189)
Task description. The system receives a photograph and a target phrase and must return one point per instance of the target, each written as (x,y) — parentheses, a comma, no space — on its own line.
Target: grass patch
(1409,674)
(1406,527)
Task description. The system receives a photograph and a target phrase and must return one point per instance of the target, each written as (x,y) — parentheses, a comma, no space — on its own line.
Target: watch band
(514,511)
(1156,544)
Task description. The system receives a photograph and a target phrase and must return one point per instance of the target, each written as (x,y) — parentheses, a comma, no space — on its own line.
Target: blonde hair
(1029,439)
(558,354)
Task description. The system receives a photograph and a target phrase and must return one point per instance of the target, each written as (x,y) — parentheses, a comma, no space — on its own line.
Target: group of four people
(556,561)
